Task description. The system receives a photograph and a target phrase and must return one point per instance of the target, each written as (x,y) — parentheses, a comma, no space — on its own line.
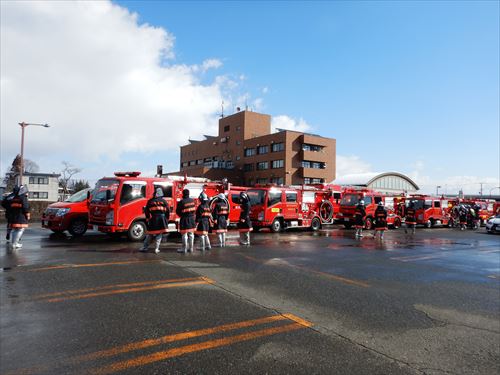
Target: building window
(192,162)
(238,128)
(238,157)
(39,180)
(262,181)
(276,147)
(277,180)
(248,167)
(184,164)
(250,152)
(229,164)
(307,181)
(309,147)
(278,164)
(262,165)
(263,149)
(313,164)
(226,128)
(38,195)
(317,181)
(291,197)
(199,161)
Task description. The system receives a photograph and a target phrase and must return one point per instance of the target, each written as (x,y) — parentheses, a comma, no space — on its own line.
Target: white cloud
(265,90)
(286,122)
(106,84)
(351,164)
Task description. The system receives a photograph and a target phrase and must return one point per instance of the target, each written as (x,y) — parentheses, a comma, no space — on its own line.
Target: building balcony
(315,140)
(313,172)
(319,156)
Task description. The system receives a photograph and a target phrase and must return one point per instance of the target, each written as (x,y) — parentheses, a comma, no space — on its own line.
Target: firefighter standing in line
(245,224)
(186,211)
(462,217)
(5,203)
(18,210)
(380,220)
(203,218)
(220,213)
(157,215)
(359,218)
(411,218)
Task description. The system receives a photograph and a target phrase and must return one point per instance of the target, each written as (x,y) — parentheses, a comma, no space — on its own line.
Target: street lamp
(23,125)
(437,190)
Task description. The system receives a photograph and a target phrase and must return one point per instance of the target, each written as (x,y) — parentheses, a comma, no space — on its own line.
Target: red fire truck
(117,203)
(322,199)
(486,207)
(430,211)
(352,196)
(280,208)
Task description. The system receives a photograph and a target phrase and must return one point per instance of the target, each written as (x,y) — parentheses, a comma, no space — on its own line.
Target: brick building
(246,152)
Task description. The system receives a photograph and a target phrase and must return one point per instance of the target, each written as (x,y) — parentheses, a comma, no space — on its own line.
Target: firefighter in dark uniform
(6,203)
(380,220)
(157,215)
(186,210)
(203,219)
(220,214)
(477,210)
(411,218)
(359,218)
(462,216)
(245,224)
(18,210)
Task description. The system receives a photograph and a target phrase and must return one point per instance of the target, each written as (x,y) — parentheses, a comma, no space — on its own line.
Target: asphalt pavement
(291,303)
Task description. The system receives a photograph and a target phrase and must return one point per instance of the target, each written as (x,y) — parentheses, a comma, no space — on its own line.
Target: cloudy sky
(411,87)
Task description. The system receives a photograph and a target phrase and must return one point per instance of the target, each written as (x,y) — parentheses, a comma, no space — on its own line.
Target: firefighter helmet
(185,193)
(244,196)
(362,202)
(221,196)
(159,192)
(381,204)
(203,197)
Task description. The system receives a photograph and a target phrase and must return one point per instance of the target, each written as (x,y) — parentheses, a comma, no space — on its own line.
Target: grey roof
(365,179)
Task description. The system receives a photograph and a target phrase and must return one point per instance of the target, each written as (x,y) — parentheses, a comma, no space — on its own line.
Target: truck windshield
(350,200)
(78,197)
(101,187)
(418,204)
(257,196)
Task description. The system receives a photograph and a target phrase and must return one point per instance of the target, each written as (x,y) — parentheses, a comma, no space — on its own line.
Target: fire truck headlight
(261,216)
(62,211)
(110,216)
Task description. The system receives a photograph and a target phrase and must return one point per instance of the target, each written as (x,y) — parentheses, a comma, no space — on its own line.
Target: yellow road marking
(114,286)
(128,290)
(320,273)
(175,352)
(65,266)
(178,337)
(119,350)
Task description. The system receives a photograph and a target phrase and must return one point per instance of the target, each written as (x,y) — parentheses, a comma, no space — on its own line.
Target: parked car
(71,215)
(493,224)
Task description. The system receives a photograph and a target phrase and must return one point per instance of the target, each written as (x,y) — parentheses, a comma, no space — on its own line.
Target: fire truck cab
(280,208)
(117,205)
(350,199)
(430,211)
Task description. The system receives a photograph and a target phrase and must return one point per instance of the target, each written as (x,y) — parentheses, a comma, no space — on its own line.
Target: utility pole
(23,125)
(481,192)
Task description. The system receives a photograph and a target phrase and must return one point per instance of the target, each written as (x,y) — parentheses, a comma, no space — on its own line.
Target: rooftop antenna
(246,104)
(222,109)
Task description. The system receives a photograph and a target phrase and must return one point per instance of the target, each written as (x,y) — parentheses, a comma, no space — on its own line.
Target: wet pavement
(295,302)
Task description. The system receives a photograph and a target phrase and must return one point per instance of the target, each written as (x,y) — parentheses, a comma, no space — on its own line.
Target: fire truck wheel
(276,226)
(78,227)
(315,224)
(137,231)
(429,224)
(369,223)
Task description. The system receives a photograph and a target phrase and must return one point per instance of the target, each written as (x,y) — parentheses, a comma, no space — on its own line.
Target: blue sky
(405,86)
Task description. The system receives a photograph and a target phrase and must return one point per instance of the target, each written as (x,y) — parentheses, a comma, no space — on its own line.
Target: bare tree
(67,173)
(11,176)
